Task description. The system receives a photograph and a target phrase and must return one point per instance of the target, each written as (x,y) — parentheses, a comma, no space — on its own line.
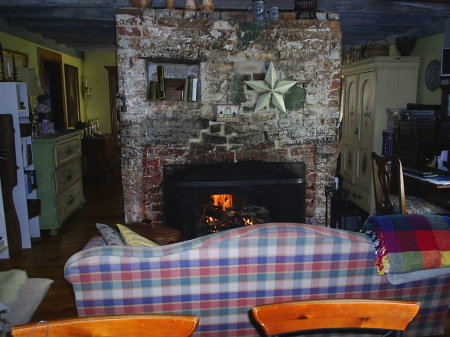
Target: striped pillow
(133,239)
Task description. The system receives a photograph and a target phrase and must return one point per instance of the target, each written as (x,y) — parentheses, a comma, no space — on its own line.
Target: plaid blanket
(408,243)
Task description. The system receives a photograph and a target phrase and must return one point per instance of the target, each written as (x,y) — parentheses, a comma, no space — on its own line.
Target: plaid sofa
(219,277)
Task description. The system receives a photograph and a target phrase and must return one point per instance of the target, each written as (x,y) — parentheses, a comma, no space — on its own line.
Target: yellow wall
(30,48)
(428,48)
(97,106)
(93,66)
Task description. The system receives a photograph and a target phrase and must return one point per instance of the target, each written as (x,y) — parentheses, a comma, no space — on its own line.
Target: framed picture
(72,94)
(227,113)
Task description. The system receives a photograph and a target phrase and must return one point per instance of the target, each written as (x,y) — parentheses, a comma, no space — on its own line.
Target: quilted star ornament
(271,90)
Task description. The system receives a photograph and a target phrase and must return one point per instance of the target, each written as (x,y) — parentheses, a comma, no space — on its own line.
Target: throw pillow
(110,235)
(10,283)
(133,239)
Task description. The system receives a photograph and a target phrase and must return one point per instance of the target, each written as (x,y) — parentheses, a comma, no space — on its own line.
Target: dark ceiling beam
(99,14)
(66,3)
(43,22)
(73,30)
(37,38)
(94,47)
(385,7)
(72,39)
(366,19)
(367,30)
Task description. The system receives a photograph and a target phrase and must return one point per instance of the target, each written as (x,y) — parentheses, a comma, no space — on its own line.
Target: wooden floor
(47,256)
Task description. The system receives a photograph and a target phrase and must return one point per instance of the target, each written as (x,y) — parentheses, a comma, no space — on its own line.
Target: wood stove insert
(200,199)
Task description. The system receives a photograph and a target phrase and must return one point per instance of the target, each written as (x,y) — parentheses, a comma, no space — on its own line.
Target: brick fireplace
(228,49)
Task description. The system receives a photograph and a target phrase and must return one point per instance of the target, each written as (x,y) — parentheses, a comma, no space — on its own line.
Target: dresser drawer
(67,175)
(67,150)
(69,201)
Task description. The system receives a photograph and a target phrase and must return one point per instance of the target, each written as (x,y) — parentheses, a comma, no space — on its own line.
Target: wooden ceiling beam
(370,19)
(385,7)
(44,22)
(65,3)
(98,14)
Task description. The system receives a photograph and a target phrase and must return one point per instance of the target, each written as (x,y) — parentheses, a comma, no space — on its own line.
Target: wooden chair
(354,316)
(154,325)
(384,170)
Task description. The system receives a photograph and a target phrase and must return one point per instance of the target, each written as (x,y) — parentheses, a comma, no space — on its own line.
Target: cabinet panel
(363,167)
(366,107)
(350,109)
(347,161)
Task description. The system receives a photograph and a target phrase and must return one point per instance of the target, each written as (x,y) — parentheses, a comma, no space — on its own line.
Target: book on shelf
(30,181)
(24,152)
(29,154)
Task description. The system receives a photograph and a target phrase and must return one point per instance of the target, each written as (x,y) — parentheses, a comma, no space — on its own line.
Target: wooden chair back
(335,315)
(154,325)
(384,168)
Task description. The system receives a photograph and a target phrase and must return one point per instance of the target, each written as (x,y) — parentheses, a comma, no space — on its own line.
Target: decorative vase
(258,9)
(377,48)
(169,4)
(141,3)
(405,44)
(207,5)
(190,5)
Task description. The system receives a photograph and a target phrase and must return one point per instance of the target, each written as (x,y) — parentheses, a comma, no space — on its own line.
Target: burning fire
(223,200)
(221,214)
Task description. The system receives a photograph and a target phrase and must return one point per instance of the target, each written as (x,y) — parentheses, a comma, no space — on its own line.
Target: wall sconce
(85,90)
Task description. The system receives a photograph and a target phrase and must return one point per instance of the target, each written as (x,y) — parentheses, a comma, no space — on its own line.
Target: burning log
(216,212)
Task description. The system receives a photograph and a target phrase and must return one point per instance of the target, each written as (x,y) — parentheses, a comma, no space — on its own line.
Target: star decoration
(271,90)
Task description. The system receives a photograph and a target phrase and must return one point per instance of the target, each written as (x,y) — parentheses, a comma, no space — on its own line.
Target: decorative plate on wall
(433,75)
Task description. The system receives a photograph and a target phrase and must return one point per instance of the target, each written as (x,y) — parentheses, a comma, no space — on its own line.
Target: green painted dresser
(57,161)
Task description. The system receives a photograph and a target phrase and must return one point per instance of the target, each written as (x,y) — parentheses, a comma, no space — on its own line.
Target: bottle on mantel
(161,86)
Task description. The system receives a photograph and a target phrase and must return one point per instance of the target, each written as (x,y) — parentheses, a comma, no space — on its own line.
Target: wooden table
(428,188)
(431,182)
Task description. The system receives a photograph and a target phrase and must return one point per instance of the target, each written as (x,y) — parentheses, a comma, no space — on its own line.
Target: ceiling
(89,24)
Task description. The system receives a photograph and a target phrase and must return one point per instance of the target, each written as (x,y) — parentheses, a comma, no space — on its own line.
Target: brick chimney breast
(157,132)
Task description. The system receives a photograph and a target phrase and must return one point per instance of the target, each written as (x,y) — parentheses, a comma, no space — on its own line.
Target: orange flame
(223,200)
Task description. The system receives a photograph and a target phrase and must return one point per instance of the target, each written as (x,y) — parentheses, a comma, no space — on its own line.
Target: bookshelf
(173,80)
(14,102)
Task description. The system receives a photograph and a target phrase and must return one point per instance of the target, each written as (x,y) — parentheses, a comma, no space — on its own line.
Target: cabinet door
(364,133)
(349,126)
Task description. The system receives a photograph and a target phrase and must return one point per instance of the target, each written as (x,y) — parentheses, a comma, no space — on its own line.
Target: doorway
(51,74)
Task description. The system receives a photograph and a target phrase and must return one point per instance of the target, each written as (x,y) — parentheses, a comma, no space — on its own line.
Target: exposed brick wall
(156,133)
